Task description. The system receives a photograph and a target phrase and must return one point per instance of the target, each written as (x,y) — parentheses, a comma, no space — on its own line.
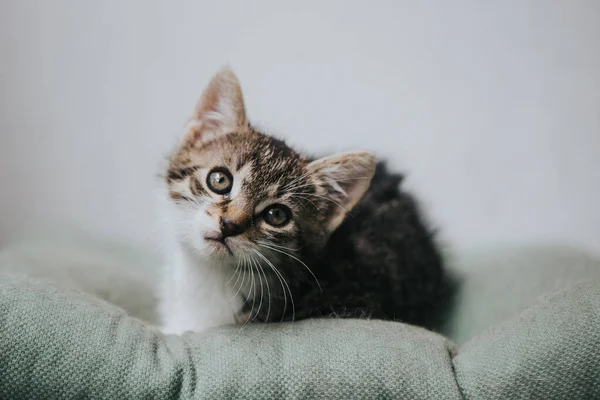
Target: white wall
(493,107)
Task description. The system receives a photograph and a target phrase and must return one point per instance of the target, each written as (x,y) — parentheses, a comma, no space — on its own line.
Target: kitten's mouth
(220,242)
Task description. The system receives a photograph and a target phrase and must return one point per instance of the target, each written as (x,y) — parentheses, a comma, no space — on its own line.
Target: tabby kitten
(260,232)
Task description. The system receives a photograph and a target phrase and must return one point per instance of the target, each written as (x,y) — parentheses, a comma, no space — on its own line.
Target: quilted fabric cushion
(62,345)
(550,351)
(58,342)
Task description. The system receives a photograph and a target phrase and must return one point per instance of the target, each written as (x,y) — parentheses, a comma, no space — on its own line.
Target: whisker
(298,179)
(278,277)
(323,197)
(295,258)
(308,199)
(253,288)
(255,264)
(243,278)
(281,247)
(235,272)
(331,180)
(303,205)
(268,292)
(282,281)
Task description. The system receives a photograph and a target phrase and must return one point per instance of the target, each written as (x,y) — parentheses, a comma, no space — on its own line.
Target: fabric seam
(453,367)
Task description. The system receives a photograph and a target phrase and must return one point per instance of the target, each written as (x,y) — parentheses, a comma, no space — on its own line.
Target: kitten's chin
(209,248)
(218,247)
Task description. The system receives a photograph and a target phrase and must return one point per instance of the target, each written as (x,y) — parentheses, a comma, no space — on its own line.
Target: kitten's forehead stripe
(179,173)
(176,196)
(272,190)
(241,161)
(197,187)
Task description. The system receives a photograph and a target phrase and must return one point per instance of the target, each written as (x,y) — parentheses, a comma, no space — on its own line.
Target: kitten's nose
(230,228)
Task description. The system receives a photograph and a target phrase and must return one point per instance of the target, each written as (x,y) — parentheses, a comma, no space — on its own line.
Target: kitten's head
(239,193)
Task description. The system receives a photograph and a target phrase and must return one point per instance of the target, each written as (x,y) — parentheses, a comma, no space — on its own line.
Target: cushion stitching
(453,367)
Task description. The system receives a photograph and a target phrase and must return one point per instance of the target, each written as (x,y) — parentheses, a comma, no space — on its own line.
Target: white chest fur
(196,294)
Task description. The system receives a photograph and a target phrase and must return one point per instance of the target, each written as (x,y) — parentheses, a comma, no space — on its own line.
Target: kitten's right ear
(219,111)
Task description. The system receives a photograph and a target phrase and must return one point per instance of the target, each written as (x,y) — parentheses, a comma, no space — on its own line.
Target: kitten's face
(242,195)
(240,191)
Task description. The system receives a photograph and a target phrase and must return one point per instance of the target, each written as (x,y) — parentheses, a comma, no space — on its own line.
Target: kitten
(260,232)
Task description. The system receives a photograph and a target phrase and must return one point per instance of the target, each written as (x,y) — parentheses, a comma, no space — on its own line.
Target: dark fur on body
(381,263)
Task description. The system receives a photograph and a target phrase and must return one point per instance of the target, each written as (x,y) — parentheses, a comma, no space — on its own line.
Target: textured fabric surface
(120,273)
(550,351)
(57,343)
(497,283)
(62,345)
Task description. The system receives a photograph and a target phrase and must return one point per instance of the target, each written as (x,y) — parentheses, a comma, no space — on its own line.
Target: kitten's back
(383,261)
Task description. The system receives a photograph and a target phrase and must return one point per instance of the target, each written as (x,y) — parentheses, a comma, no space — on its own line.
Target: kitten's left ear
(344,178)
(219,111)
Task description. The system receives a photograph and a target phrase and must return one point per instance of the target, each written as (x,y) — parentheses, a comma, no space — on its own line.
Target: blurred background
(492,108)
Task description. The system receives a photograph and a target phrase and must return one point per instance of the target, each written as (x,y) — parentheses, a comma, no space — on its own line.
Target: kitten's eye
(277,215)
(219,180)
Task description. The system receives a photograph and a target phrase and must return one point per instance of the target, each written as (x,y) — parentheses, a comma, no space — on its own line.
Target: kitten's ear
(219,111)
(344,179)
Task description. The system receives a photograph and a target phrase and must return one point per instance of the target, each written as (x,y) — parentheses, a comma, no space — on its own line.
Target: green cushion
(550,351)
(69,345)
(58,342)
(500,281)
